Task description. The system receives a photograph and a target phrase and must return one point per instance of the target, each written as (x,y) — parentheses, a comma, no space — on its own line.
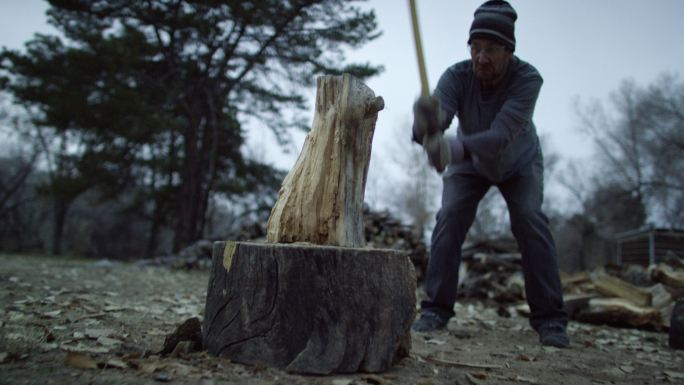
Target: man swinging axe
(493,95)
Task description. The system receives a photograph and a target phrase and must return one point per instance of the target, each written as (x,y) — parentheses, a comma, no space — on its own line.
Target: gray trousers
(523,193)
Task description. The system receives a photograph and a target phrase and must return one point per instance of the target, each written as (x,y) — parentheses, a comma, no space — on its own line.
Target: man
(493,96)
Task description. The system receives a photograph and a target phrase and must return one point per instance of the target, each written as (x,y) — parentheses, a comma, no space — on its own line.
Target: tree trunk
(321,199)
(316,308)
(60,210)
(309,309)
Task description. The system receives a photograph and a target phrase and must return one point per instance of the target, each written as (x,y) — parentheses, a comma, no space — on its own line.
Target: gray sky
(582,48)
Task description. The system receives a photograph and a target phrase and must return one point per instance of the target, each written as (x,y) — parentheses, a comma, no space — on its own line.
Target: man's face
(490,59)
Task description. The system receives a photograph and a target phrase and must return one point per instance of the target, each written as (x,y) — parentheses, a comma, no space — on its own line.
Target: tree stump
(309,309)
(312,300)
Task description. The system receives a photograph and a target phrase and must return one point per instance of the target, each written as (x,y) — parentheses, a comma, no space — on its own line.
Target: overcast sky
(582,48)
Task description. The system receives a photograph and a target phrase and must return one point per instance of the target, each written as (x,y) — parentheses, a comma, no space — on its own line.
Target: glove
(426,117)
(443,150)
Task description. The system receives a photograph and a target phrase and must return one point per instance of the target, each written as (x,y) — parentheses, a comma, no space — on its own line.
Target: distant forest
(123,136)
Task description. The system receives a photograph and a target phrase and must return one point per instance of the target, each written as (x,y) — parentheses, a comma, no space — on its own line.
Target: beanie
(495,19)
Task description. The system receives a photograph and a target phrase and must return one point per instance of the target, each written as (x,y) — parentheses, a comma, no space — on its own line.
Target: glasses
(488,51)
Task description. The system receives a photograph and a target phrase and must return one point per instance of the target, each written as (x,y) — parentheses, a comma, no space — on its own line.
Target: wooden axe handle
(424,88)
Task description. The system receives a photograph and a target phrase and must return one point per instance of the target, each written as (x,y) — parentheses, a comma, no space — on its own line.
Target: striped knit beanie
(495,19)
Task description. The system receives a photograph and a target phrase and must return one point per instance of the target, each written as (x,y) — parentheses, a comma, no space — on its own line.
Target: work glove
(443,150)
(426,117)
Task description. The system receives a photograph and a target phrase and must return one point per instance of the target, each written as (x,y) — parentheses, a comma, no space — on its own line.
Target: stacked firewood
(627,296)
(623,296)
(383,231)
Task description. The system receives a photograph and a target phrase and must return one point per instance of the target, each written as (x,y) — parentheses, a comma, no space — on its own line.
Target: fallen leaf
(156,332)
(97,333)
(115,363)
(114,308)
(15,336)
(52,314)
(525,357)
(342,381)
(376,380)
(674,375)
(15,316)
(479,375)
(473,379)
(627,368)
(108,342)
(49,346)
(80,348)
(162,377)
(80,361)
(425,382)
(180,370)
(151,367)
(3,357)
(434,341)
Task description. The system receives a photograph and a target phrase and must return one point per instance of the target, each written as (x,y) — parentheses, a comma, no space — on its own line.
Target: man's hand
(443,150)
(426,117)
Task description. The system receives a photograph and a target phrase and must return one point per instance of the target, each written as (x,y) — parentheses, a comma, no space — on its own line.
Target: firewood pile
(627,296)
(383,231)
(624,296)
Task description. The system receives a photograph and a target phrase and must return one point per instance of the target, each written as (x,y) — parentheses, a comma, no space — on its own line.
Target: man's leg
(460,197)
(524,195)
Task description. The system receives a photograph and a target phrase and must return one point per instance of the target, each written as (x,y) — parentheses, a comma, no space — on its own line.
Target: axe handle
(425,89)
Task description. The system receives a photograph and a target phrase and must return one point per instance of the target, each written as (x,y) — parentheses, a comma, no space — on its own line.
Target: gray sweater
(496,129)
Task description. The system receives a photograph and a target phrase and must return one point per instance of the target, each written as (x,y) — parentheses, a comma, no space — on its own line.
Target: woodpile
(384,231)
(623,296)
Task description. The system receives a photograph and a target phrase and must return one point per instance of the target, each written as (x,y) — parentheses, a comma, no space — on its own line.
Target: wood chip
(80,361)
(376,380)
(462,364)
(115,363)
(97,333)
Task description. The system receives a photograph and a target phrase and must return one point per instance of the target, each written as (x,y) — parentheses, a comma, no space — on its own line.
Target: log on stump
(309,309)
(323,305)
(321,199)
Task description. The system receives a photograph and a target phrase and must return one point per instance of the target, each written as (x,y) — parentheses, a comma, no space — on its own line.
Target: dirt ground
(66,321)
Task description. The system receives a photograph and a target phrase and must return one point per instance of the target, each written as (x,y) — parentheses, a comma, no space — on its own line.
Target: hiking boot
(553,334)
(429,322)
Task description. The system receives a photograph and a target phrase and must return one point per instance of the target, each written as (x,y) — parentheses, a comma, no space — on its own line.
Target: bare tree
(639,144)
(413,191)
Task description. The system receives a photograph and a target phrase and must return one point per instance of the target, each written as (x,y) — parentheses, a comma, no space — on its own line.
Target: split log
(571,280)
(309,309)
(574,303)
(620,312)
(321,199)
(668,276)
(615,287)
